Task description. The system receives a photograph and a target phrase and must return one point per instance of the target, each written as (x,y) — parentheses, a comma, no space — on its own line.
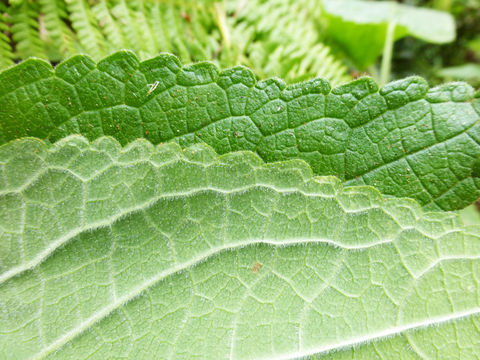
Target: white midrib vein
(375,336)
(120,301)
(41,256)
(49,250)
(134,293)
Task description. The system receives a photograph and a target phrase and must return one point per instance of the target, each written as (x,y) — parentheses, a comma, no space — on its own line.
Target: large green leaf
(143,252)
(405,139)
(469,71)
(360,27)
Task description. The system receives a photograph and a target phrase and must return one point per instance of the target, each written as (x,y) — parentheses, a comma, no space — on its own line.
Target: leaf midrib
(398,330)
(120,301)
(110,220)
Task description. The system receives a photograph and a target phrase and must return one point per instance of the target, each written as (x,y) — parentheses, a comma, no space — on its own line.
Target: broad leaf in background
(405,139)
(470,72)
(163,252)
(470,215)
(360,27)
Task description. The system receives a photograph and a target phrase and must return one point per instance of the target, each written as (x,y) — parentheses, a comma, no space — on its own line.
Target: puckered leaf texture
(164,252)
(405,139)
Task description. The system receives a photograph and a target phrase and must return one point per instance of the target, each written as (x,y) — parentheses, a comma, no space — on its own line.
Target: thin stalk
(222,23)
(387,53)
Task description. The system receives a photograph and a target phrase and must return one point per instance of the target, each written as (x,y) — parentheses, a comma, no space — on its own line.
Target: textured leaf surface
(361,26)
(143,252)
(405,139)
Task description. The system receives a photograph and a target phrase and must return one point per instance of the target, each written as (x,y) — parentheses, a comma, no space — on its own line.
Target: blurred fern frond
(280,38)
(6,53)
(284,38)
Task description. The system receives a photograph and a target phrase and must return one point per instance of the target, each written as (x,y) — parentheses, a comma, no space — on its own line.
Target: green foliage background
(228,33)
(284,38)
(412,56)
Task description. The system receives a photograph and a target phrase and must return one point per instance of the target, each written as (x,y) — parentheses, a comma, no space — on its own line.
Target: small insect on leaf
(153,87)
(256,267)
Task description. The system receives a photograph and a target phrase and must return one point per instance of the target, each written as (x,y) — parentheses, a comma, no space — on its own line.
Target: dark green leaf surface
(405,139)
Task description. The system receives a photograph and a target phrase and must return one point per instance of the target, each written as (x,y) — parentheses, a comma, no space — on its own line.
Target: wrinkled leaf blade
(169,252)
(405,139)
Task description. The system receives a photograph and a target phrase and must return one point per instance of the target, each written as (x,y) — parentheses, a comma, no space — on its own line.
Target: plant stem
(222,23)
(387,53)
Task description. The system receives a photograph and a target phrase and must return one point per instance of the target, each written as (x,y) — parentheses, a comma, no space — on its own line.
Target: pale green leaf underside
(405,139)
(159,252)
